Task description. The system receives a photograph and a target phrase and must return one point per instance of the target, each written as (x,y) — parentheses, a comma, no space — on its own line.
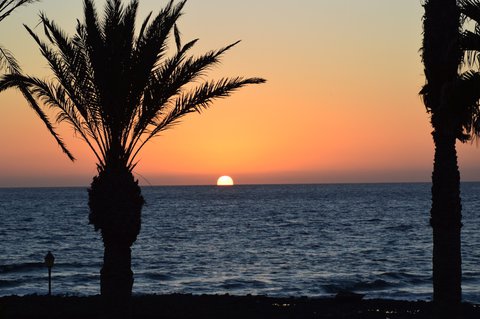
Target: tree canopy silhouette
(118,89)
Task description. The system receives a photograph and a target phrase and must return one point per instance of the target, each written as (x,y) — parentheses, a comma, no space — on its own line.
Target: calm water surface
(277,240)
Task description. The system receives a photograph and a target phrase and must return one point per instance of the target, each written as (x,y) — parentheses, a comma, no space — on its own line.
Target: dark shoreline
(177,306)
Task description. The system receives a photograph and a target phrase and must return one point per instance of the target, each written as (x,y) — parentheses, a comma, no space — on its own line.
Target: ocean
(275,240)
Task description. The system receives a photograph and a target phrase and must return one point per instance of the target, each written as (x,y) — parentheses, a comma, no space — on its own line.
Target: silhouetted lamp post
(49,260)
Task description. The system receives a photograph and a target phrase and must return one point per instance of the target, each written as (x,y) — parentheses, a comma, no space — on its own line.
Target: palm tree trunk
(446,223)
(442,57)
(115,203)
(116,276)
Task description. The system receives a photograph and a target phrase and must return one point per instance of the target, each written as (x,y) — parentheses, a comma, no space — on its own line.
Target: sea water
(276,240)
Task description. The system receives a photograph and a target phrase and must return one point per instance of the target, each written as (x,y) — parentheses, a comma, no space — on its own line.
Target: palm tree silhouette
(118,89)
(449,98)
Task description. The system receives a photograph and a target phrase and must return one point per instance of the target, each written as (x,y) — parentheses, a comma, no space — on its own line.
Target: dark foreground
(219,306)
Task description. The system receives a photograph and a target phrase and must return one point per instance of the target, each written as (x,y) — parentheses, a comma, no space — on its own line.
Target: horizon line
(244,184)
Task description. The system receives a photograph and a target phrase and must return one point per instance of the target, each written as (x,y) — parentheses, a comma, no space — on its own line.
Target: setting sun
(224,181)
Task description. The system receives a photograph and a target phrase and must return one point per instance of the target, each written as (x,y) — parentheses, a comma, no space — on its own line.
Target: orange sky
(341,103)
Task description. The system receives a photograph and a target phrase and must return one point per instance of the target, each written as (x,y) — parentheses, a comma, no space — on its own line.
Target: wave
(242,284)
(399,275)
(377,284)
(400,228)
(381,281)
(372,285)
(159,277)
(9,283)
(35,266)
(23,267)
(407,278)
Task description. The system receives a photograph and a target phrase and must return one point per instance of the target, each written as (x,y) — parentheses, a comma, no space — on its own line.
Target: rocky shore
(178,306)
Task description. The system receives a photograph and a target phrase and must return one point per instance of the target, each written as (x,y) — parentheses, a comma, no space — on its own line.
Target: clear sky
(341,103)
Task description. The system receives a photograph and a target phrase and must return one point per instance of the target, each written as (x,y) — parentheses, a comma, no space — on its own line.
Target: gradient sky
(341,103)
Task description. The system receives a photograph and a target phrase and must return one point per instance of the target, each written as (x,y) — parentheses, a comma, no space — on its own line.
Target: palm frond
(69,74)
(470,43)
(470,9)
(201,97)
(71,64)
(112,15)
(468,95)
(154,97)
(144,26)
(156,93)
(8,61)
(178,40)
(155,35)
(149,50)
(467,87)
(168,80)
(18,81)
(8,6)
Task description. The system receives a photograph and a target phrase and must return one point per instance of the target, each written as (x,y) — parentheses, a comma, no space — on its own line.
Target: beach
(186,306)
